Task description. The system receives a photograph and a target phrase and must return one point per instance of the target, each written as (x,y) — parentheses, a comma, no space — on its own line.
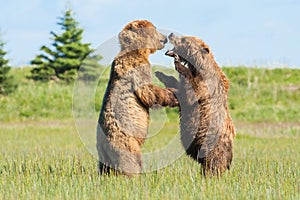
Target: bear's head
(141,35)
(191,51)
(194,54)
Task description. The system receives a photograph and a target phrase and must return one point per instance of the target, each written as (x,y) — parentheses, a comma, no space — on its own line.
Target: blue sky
(249,32)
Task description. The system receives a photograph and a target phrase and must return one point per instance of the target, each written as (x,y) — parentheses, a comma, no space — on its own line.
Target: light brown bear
(207,130)
(123,121)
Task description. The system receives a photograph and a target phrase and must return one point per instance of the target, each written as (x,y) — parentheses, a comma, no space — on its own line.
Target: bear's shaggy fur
(123,121)
(207,130)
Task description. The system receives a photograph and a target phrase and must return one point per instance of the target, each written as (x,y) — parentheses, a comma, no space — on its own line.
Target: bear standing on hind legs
(206,128)
(123,121)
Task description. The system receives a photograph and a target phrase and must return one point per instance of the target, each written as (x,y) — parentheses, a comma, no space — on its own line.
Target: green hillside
(256,95)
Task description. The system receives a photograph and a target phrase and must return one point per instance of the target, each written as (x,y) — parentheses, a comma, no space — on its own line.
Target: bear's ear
(130,28)
(205,50)
(136,26)
(145,24)
(141,25)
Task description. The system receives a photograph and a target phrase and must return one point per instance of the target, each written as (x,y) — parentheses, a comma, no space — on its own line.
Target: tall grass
(47,160)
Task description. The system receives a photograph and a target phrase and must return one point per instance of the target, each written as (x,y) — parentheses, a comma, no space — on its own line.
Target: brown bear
(207,130)
(123,120)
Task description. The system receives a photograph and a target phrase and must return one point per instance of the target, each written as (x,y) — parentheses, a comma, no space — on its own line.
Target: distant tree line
(59,62)
(7,84)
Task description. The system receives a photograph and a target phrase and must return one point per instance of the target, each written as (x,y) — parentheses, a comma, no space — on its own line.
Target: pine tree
(63,60)
(7,84)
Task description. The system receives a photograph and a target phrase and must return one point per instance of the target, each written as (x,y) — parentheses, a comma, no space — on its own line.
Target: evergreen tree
(63,60)
(7,84)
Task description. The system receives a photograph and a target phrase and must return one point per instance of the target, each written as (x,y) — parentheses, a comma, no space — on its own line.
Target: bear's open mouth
(183,61)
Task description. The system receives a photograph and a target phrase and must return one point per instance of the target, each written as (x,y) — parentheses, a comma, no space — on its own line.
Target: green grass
(42,156)
(264,95)
(34,100)
(42,160)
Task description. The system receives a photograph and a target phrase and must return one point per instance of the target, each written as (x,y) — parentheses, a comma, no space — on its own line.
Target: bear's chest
(130,115)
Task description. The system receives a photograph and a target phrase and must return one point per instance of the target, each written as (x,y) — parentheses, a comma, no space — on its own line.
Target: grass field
(42,156)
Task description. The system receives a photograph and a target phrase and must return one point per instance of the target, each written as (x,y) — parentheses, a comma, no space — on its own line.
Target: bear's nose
(166,40)
(171,36)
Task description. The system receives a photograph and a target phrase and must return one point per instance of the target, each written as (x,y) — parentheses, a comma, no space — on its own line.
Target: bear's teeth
(185,63)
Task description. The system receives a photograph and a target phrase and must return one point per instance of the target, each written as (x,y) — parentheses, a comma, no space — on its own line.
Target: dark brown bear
(123,121)
(207,130)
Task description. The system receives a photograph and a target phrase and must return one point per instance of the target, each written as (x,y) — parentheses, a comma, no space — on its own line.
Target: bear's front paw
(173,101)
(160,75)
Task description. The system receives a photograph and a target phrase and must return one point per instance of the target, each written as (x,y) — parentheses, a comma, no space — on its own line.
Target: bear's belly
(127,113)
